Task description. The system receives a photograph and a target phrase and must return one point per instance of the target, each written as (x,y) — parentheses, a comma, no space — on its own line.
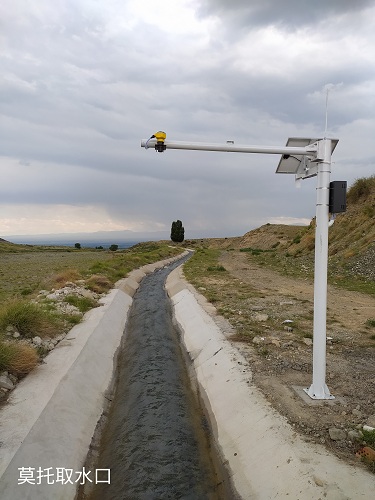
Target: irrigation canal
(156,440)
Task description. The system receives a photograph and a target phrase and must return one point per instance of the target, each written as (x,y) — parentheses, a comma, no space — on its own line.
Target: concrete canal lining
(265,456)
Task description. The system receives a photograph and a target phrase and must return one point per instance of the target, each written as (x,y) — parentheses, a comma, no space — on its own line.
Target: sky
(83,81)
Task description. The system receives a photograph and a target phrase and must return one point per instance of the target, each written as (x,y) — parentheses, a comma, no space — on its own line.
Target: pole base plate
(319,393)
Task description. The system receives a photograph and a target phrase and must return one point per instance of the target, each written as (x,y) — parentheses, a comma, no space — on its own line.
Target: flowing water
(156,440)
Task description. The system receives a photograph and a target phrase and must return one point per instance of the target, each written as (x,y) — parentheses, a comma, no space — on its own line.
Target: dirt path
(349,309)
(281,353)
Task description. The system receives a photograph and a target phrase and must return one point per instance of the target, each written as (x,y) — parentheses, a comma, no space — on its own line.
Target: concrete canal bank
(266,458)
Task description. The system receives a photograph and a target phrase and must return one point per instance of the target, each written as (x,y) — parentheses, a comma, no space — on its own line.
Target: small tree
(177,232)
(78,246)
(113,248)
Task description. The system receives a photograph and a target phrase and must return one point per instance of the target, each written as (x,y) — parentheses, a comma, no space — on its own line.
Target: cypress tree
(177,232)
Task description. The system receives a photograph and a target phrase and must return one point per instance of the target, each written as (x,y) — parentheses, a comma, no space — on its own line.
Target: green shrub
(369,437)
(98,267)
(253,251)
(28,318)
(72,319)
(216,268)
(81,303)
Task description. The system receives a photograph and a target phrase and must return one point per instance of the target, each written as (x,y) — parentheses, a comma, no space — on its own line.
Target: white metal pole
(319,389)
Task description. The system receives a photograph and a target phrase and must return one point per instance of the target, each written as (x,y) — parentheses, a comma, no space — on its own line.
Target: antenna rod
(325,131)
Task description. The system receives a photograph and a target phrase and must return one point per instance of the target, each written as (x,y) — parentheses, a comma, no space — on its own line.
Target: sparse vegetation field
(23,271)
(25,314)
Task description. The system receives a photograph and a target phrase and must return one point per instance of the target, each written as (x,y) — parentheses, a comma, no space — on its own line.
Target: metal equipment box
(337,197)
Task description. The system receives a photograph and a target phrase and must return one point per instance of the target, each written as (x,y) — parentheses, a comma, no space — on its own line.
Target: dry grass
(6,353)
(24,273)
(361,189)
(23,360)
(99,283)
(17,358)
(62,278)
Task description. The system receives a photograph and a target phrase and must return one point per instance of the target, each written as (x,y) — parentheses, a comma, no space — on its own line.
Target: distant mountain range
(123,238)
(98,238)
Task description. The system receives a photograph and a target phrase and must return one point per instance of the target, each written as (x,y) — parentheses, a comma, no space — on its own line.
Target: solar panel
(300,165)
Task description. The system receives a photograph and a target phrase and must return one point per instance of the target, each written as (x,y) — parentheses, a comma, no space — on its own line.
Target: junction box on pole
(337,197)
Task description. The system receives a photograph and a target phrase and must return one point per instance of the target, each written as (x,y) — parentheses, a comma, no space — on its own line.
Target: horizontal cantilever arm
(309,150)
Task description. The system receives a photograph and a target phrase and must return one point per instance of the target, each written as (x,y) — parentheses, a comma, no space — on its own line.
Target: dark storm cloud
(291,14)
(84,81)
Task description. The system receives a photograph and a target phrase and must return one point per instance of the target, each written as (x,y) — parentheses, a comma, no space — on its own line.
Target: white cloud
(176,18)
(290,221)
(53,218)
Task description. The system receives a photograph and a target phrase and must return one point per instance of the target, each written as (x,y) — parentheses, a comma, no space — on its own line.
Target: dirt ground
(280,354)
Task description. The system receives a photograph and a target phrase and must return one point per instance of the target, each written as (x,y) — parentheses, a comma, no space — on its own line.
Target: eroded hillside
(351,239)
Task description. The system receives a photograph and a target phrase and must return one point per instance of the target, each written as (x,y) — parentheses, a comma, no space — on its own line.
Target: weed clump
(83,304)
(17,358)
(369,436)
(27,318)
(99,283)
(69,275)
(6,353)
(216,268)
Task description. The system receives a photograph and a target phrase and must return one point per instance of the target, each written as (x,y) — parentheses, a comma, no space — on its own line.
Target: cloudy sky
(83,81)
